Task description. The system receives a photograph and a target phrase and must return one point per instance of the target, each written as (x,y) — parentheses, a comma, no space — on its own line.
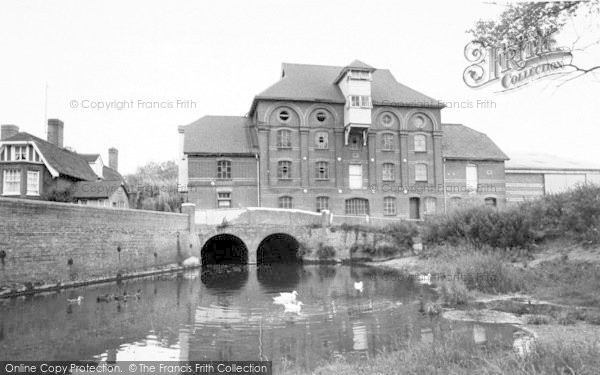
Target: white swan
(293,307)
(425,279)
(76,300)
(284,298)
(358,285)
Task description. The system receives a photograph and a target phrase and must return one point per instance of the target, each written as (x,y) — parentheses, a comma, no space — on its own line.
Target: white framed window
(12,182)
(360,101)
(20,152)
(387,142)
(322,170)
(357,206)
(388,172)
(33,183)
(389,206)
(420,143)
(420,172)
(223,199)
(284,139)
(285,202)
(322,203)
(284,170)
(471,177)
(322,140)
(355,179)
(358,74)
(430,206)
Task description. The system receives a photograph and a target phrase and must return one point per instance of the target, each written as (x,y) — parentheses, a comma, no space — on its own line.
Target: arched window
(421,172)
(284,170)
(284,139)
(420,143)
(223,169)
(357,206)
(389,206)
(285,202)
(322,203)
(322,170)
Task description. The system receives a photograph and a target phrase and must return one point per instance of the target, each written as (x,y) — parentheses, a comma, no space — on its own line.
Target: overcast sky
(220,54)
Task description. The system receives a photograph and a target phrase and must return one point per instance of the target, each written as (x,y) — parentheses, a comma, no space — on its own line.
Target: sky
(61,58)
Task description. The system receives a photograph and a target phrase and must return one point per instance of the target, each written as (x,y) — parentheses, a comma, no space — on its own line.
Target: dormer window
(20,152)
(360,101)
(357,74)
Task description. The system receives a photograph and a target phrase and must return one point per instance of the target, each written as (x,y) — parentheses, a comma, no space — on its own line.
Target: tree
(521,22)
(154,187)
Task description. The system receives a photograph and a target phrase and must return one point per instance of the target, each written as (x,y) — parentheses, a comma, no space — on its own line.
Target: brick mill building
(33,168)
(349,139)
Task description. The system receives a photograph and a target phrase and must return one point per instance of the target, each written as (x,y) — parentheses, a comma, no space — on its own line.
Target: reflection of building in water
(359,336)
(478,334)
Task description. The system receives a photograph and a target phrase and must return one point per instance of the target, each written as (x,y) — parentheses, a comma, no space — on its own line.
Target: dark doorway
(278,248)
(490,202)
(414,208)
(224,249)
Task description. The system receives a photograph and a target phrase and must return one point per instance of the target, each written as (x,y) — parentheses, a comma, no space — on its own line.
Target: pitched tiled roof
(219,135)
(461,142)
(65,162)
(359,65)
(315,83)
(90,158)
(110,174)
(95,189)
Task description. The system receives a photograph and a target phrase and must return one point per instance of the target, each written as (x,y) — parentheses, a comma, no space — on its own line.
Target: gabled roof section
(357,64)
(461,142)
(110,174)
(220,135)
(96,189)
(316,83)
(90,158)
(65,162)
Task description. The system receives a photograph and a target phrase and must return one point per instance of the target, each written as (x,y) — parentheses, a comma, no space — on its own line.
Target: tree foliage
(154,187)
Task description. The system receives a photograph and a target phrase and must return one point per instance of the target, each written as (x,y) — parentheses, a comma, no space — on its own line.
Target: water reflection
(226,313)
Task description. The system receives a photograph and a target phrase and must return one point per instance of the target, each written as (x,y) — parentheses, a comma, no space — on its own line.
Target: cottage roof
(462,142)
(220,135)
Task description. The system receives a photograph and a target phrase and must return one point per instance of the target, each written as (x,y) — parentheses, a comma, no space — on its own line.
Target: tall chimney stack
(55,132)
(113,158)
(8,131)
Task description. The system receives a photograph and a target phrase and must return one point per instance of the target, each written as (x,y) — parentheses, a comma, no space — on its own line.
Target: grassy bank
(451,358)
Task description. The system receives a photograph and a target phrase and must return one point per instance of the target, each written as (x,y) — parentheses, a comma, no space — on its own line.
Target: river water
(227,313)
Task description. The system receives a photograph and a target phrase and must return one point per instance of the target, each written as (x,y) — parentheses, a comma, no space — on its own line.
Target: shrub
(402,234)
(55,195)
(454,292)
(325,252)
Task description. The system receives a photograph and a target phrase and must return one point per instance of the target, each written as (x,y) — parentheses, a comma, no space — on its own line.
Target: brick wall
(49,242)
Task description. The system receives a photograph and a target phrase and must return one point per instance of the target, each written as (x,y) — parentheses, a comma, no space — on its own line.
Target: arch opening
(224,249)
(278,248)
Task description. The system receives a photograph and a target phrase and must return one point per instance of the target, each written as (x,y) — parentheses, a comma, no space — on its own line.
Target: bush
(403,234)
(325,252)
(55,195)
(454,292)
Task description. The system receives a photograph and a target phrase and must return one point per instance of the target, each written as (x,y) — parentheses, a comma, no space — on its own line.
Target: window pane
(322,203)
(12,181)
(430,206)
(388,172)
(285,202)
(420,172)
(388,141)
(284,170)
(223,169)
(355,177)
(357,206)
(420,143)
(33,182)
(322,170)
(322,140)
(471,177)
(389,206)
(284,139)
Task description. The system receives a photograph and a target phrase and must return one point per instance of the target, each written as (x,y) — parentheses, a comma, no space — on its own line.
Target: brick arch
(278,247)
(313,109)
(271,112)
(409,115)
(224,248)
(399,124)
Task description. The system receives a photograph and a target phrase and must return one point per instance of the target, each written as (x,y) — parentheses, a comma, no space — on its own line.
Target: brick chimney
(8,131)
(55,132)
(113,158)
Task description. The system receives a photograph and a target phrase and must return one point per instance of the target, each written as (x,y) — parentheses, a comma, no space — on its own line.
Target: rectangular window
(322,170)
(355,141)
(430,206)
(388,142)
(224,170)
(355,101)
(360,101)
(388,172)
(20,152)
(471,177)
(357,206)
(322,140)
(285,202)
(223,199)
(355,179)
(33,183)
(12,182)
(420,172)
(284,139)
(284,170)
(420,143)
(322,203)
(389,206)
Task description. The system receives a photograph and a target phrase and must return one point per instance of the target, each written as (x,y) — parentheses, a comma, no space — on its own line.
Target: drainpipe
(444,185)
(257,180)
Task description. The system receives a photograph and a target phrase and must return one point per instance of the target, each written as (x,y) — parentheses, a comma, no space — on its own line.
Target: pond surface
(227,313)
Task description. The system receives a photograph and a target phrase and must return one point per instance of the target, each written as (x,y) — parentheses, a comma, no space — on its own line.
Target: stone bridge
(270,235)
